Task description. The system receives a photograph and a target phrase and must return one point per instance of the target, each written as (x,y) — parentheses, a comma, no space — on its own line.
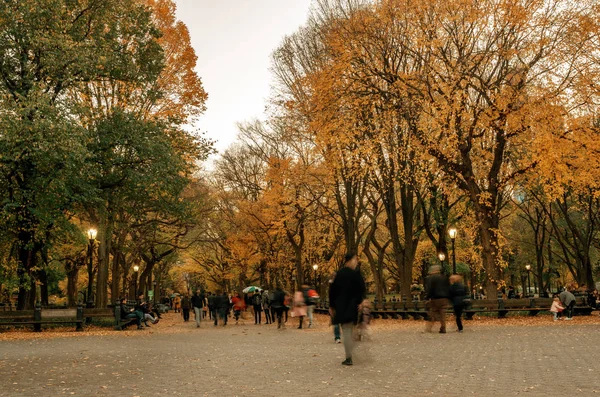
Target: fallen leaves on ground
(172,323)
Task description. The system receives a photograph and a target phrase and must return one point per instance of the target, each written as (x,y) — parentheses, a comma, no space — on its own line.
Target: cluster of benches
(405,309)
(77,316)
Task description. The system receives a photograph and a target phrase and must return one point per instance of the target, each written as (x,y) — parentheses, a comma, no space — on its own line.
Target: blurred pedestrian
(437,294)
(186,305)
(337,337)
(177,303)
(198,306)
(458,294)
(364,320)
(278,303)
(266,305)
(345,294)
(224,306)
(212,307)
(238,306)
(257,307)
(299,307)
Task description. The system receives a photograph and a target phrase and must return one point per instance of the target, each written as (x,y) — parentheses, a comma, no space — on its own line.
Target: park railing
(404,308)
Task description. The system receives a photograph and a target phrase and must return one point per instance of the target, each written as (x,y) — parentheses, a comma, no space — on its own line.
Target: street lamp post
(91,234)
(452,233)
(315,267)
(528,268)
(442,257)
(136,269)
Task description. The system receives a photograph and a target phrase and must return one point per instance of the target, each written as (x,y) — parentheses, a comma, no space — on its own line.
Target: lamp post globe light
(442,257)
(452,232)
(315,267)
(528,268)
(136,269)
(91,234)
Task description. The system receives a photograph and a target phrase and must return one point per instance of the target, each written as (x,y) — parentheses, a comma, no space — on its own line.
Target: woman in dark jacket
(345,294)
(458,294)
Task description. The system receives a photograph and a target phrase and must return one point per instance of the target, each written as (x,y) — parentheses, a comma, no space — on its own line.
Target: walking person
(266,304)
(310,299)
(568,301)
(458,293)
(337,337)
(223,306)
(238,306)
(186,305)
(437,294)
(177,303)
(198,305)
(257,307)
(345,294)
(277,304)
(212,307)
(299,307)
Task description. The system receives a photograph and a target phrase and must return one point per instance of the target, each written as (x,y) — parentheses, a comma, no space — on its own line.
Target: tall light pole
(442,257)
(528,267)
(136,269)
(452,233)
(315,267)
(91,234)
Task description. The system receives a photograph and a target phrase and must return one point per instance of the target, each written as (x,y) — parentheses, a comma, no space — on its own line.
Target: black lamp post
(91,234)
(528,268)
(315,267)
(452,233)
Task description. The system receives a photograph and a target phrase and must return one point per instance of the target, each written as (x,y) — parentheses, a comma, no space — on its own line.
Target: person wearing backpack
(257,306)
(266,304)
(310,298)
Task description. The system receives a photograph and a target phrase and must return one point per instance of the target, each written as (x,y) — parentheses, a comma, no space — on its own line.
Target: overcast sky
(233,40)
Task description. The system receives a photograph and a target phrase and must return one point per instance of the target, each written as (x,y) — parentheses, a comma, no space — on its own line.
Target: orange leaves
(184,95)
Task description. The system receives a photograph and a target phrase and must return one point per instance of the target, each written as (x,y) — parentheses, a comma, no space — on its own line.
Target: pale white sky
(233,40)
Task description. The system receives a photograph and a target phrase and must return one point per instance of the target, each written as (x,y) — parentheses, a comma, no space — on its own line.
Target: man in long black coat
(345,294)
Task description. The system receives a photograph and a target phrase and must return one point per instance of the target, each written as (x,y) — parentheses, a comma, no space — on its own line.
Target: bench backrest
(59,313)
(17,314)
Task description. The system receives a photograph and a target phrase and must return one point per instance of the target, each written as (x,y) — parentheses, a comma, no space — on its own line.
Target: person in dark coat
(127,313)
(437,294)
(458,294)
(223,307)
(186,305)
(278,303)
(198,305)
(345,294)
(212,306)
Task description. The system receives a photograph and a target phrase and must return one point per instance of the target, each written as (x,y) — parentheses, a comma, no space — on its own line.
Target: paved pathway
(176,359)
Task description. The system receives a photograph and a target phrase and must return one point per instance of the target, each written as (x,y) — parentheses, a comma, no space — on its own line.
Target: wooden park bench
(39,317)
(121,324)
(502,307)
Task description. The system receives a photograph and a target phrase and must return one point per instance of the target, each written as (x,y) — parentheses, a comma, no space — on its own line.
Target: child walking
(556,308)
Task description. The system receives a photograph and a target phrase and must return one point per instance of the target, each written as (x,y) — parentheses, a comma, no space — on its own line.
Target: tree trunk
(27,261)
(43,277)
(72,277)
(103,265)
(489,251)
(115,276)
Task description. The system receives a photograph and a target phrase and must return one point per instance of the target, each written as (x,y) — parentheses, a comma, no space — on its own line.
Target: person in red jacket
(238,305)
